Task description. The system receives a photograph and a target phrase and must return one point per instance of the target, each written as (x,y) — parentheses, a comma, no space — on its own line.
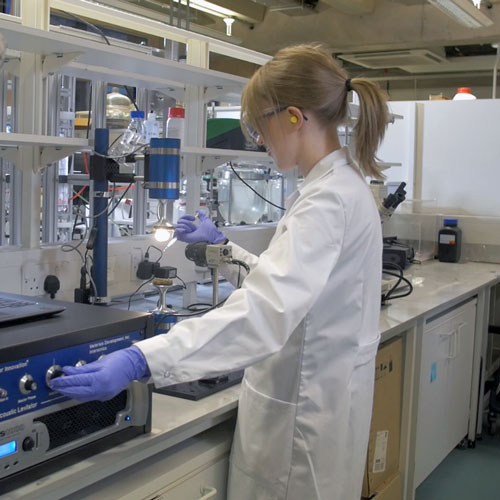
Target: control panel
(24,382)
(37,423)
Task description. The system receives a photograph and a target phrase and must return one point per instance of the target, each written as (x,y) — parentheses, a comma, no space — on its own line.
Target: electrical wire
(90,110)
(250,187)
(186,315)
(131,97)
(66,247)
(198,307)
(93,27)
(137,290)
(240,265)
(182,281)
(156,248)
(142,146)
(399,275)
(109,204)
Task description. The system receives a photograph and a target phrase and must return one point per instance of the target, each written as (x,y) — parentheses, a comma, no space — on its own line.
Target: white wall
(399,145)
(24,271)
(460,156)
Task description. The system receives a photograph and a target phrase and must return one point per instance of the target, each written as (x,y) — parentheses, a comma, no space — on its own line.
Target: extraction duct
(394,58)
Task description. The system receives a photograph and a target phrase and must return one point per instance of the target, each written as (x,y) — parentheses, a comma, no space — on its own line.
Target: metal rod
(215,286)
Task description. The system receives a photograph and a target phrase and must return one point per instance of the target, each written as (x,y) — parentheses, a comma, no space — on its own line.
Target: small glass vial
(449,241)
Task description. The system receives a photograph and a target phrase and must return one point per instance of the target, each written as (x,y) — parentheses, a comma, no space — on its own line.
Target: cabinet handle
(450,336)
(459,327)
(208,493)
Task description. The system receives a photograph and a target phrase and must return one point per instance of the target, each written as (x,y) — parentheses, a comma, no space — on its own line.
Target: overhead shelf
(52,148)
(212,157)
(106,59)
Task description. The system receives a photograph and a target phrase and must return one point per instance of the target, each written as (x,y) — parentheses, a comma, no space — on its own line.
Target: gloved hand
(188,232)
(103,379)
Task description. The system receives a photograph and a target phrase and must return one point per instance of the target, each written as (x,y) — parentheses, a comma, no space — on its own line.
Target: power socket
(136,257)
(33,276)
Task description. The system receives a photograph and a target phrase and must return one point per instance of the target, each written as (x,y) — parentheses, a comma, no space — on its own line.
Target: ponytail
(307,76)
(370,126)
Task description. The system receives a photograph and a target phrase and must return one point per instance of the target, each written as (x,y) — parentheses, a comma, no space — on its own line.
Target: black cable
(186,315)
(156,248)
(182,281)
(131,97)
(400,277)
(93,27)
(238,284)
(113,143)
(257,193)
(90,109)
(242,264)
(198,307)
(121,198)
(138,288)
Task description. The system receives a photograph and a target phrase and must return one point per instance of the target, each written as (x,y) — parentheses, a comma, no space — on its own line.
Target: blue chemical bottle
(450,241)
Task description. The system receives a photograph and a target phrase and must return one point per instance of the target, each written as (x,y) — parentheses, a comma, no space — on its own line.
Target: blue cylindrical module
(164,174)
(99,269)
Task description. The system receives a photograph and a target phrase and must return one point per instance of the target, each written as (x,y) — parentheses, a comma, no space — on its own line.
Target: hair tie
(348,85)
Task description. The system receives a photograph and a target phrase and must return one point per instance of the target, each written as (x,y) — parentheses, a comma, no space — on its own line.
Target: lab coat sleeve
(258,318)
(232,271)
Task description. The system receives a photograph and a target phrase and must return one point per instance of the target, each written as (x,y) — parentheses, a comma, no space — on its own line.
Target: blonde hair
(308,77)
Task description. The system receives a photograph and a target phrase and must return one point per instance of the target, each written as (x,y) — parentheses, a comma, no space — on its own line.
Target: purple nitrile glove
(103,379)
(188,232)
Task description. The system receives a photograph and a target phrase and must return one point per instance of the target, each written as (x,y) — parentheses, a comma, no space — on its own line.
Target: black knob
(28,444)
(27,384)
(30,385)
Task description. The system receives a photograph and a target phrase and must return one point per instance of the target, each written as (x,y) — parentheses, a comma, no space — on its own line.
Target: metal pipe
(100,267)
(215,286)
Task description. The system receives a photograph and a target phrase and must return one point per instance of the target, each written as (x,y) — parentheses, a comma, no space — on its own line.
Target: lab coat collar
(337,158)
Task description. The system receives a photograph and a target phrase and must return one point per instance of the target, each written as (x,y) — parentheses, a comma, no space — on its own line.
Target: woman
(304,324)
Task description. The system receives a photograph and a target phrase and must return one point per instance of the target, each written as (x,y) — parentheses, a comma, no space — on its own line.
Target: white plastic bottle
(175,124)
(152,127)
(463,94)
(133,137)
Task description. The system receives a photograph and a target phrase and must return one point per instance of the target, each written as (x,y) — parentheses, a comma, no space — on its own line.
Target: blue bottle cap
(137,114)
(450,222)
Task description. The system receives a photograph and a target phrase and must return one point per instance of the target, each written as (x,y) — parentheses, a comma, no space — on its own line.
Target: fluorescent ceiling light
(208,7)
(464,12)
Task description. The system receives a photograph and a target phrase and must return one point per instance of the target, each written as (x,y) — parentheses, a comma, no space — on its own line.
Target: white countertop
(437,286)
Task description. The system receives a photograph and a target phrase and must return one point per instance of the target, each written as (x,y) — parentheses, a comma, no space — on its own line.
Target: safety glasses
(255,136)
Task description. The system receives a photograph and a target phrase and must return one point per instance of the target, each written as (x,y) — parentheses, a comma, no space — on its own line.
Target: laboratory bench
(186,454)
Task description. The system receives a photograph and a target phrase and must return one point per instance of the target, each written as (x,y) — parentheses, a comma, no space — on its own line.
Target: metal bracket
(52,62)
(9,153)
(51,154)
(227,93)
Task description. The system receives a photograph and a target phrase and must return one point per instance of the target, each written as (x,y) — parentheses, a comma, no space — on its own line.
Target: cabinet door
(432,439)
(207,484)
(460,374)
(445,387)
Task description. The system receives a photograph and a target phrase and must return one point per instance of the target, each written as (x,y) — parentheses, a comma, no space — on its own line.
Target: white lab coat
(305,325)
